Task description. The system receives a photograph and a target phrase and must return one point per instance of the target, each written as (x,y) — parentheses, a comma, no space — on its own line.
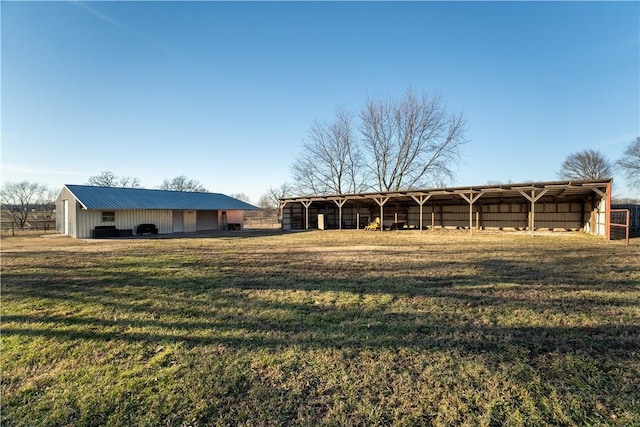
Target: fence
(44,226)
(267,222)
(620,225)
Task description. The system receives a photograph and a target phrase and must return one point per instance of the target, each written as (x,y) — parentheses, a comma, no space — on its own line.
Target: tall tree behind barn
(390,145)
(412,142)
(331,161)
(586,164)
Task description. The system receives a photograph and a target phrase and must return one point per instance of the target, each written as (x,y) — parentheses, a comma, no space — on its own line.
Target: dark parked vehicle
(147,229)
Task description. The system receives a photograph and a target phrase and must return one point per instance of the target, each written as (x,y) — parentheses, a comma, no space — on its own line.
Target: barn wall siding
(125,220)
(634,211)
(163,219)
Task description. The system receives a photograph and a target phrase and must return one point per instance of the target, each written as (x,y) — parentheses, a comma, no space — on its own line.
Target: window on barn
(108,216)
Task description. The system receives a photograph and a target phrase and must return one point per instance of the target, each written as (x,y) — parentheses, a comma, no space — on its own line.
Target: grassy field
(321,328)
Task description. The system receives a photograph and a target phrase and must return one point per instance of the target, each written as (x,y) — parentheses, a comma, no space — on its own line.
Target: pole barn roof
(115,198)
(501,191)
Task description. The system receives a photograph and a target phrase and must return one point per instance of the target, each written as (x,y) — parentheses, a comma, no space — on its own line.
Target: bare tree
(331,160)
(404,144)
(182,183)
(266,202)
(586,164)
(306,177)
(277,193)
(270,201)
(630,163)
(110,179)
(411,142)
(129,182)
(48,206)
(241,196)
(20,199)
(104,179)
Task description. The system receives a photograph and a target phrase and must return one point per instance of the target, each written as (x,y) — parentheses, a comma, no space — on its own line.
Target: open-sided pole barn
(81,210)
(558,205)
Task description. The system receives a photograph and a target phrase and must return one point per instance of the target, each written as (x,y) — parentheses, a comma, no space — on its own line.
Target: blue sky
(225,93)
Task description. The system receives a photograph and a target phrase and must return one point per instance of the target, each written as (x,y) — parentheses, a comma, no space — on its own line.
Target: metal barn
(556,206)
(82,211)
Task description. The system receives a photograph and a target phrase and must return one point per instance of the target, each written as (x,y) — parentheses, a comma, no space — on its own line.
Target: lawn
(321,328)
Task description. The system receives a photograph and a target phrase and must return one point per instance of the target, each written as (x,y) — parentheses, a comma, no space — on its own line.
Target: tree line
(179,183)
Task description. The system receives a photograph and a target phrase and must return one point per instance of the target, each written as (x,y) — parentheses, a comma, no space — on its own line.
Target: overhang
(551,190)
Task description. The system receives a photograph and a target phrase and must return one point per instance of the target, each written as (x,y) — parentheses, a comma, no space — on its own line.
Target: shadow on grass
(388,298)
(246,322)
(611,342)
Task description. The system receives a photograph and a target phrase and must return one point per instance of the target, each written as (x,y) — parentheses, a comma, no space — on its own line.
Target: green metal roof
(115,198)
